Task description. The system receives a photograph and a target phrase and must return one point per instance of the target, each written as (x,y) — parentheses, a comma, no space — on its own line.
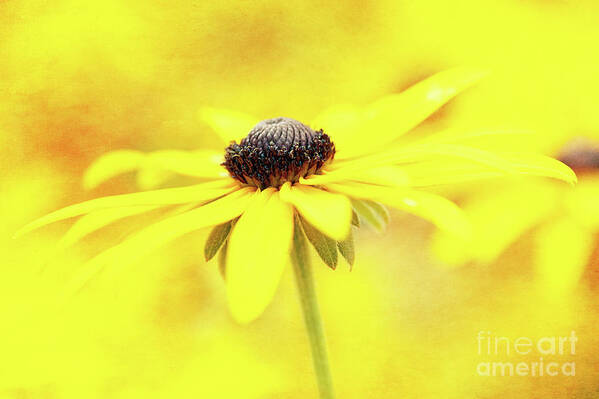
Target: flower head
(277,151)
(282,170)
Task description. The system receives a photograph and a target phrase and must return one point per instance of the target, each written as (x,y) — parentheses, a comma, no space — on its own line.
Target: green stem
(312,319)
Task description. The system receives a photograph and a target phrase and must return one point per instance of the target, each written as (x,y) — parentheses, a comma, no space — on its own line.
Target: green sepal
(215,240)
(355,219)
(346,248)
(373,212)
(381,210)
(325,247)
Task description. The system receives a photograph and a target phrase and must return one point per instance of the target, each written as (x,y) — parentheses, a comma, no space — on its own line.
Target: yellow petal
(381,175)
(229,125)
(563,249)
(420,153)
(496,139)
(392,176)
(330,213)
(405,110)
(110,165)
(342,123)
(440,211)
(202,164)
(157,167)
(151,176)
(154,167)
(441,172)
(338,119)
(444,171)
(540,165)
(499,217)
(433,164)
(394,115)
(160,233)
(197,193)
(96,220)
(257,253)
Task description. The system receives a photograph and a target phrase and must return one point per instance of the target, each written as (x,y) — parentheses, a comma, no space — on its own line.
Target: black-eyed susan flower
(285,181)
(348,161)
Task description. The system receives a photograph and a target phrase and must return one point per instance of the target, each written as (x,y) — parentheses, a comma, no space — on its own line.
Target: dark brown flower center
(276,151)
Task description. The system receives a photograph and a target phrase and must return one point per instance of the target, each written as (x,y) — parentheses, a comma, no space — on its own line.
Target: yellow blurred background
(83,78)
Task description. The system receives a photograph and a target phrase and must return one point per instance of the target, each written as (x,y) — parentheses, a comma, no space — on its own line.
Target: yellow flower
(564,222)
(284,170)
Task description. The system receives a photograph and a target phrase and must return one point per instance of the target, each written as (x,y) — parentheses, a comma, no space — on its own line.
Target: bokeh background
(79,79)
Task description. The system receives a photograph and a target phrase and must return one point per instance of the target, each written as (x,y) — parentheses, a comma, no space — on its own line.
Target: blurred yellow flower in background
(563,220)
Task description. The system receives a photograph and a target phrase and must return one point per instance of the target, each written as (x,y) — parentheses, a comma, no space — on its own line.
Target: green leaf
(215,240)
(325,246)
(222,260)
(355,219)
(346,248)
(373,212)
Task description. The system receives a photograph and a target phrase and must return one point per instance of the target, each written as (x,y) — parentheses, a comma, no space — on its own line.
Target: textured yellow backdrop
(80,78)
